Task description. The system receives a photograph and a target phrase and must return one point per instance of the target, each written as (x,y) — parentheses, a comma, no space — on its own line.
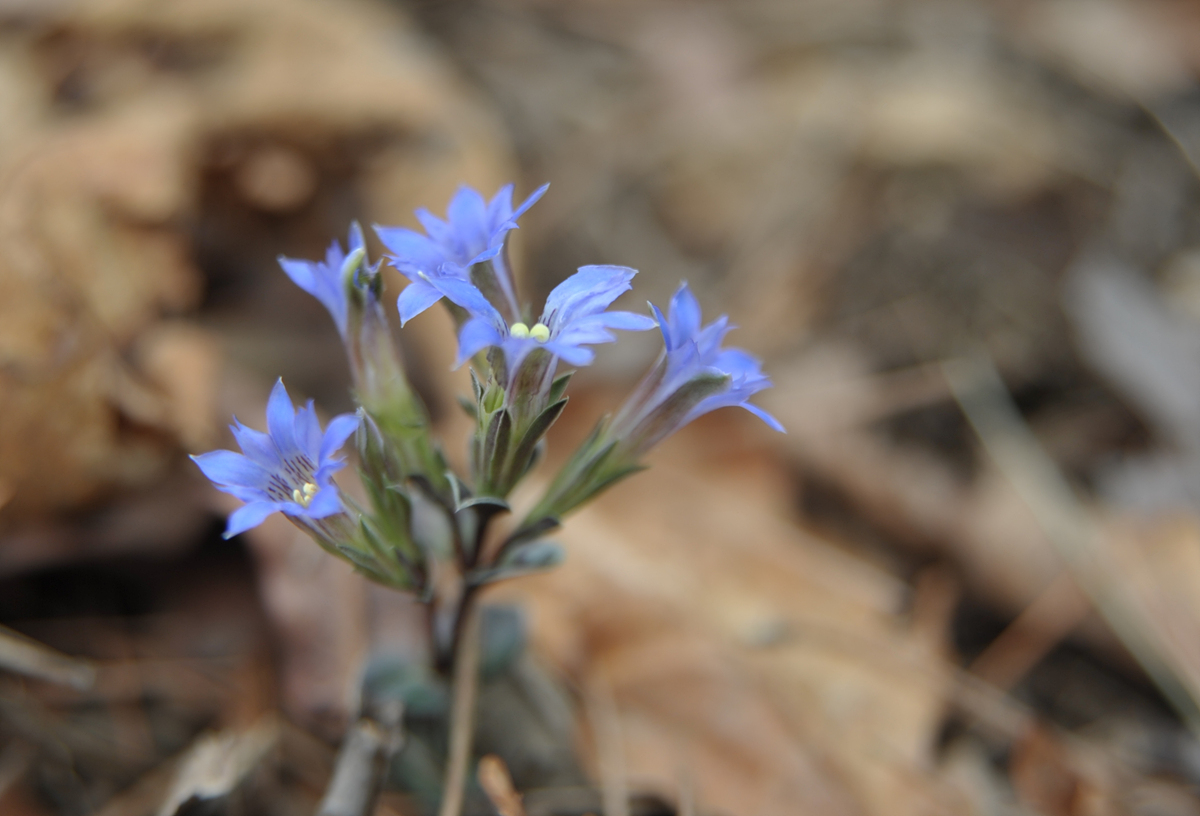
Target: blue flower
(474,231)
(574,317)
(326,281)
(287,470)
(694,376)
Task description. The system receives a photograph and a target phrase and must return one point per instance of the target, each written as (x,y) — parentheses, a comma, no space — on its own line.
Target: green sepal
(495,450)
(524,451)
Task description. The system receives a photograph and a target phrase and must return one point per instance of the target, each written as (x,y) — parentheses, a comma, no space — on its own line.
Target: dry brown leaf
(118,115)
(772,666)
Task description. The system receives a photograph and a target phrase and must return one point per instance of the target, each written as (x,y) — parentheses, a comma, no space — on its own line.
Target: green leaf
(559,386)
(532,530)
(536,556)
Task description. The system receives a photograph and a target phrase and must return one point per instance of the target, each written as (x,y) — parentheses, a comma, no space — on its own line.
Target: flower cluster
(418,514)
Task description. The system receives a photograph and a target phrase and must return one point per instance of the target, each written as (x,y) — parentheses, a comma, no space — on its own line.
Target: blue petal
(664,327)
(467,214)
(326,502)
(738,363)
(416,298)
(440,231)
(499,209)
(572,354)
(322,281)
(771,421)
(685,314)
(476,335)
(281,418)
(529,202)
(301,273)
(250,516)
(516,349)
(307,431)
(256,445)
(627,321)
(228,469)
(588,291)
(339,430)
(356,238)
(468,297)
(411,252)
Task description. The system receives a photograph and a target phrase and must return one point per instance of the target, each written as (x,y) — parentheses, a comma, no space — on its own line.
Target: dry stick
(22,655)
(1069,526)
(498,785)
(363,762)
(602,713)
(1053,615)
(462,711)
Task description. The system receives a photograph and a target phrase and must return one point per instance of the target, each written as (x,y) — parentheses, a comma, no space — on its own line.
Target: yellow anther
(519,330)
(303,495)
(540,332)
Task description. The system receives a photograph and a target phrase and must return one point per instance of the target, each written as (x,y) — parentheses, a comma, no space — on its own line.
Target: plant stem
(462,710)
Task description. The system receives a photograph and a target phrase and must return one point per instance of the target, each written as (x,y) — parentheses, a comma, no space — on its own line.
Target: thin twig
(602,713)
(1068,525)
(363,762)
(28,657)
(462,710)
(1041,626)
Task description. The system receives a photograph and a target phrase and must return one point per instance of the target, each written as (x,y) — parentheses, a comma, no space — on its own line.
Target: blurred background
(964,237)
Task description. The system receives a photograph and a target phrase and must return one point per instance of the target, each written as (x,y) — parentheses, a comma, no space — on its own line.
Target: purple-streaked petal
(416,298)
(476,335)
(249,516)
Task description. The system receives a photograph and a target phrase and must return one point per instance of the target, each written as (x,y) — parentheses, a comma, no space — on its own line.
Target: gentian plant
(417,526)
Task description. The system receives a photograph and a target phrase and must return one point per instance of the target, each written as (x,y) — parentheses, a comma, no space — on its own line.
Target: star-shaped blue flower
(694,376)
(574,317)
(325,281)
(474,231)
(286,470)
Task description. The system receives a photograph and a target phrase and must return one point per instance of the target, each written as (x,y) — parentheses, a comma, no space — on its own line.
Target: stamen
(519,330)
(540,332)
(304,495)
